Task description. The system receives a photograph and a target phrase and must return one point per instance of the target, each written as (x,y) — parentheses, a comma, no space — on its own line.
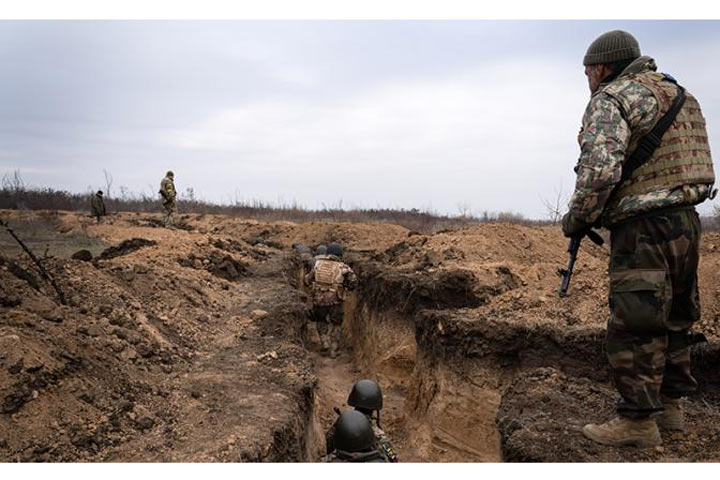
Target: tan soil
(196,348)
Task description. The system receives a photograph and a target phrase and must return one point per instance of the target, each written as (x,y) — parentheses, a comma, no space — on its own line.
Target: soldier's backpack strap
(651,141)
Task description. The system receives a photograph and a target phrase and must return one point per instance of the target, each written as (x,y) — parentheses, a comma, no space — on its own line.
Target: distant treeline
(16,195)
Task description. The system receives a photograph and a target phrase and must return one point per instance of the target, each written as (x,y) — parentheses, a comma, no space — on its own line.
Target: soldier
(306,258)
(354,440)
(320,252)
(97,206)
(645,194)
(366,397)
(330,280)
(168,193)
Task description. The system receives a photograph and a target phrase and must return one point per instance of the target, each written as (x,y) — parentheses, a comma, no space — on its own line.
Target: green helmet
(366,394)
(353,432)
(335,249)
(321,250)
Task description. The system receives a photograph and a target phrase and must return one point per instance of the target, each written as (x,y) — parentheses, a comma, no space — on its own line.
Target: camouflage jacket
(97,205)
(167,185)
(611,125)
(330,280)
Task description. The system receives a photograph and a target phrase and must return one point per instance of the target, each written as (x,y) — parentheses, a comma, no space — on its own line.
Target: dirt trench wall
(481,386)
(448,416)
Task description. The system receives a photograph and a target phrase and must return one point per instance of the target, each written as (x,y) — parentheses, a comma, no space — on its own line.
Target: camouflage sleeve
(603,144)
(308,279)
(351,281)
(386,447)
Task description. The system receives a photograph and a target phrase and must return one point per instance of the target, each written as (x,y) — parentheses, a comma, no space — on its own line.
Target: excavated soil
(193,344)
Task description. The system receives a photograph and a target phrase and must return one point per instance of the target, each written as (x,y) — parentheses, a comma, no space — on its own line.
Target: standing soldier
(168,193)
(97,206)
(330,279)
(644,163)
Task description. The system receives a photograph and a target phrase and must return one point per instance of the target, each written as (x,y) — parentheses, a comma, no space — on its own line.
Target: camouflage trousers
(654,301)
(170,210)
(328,321)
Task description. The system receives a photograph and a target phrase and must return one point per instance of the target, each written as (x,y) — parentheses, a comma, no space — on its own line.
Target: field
(193,344)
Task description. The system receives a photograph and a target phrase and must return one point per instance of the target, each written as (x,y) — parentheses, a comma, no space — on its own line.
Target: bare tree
(108,182)
(464,209)
(555,206)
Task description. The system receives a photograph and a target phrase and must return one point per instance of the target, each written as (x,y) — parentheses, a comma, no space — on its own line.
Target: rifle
(573,248)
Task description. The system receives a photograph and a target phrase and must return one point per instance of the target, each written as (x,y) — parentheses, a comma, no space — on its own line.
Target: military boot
(620,430)
(322,329)
(324,344)
(673,417)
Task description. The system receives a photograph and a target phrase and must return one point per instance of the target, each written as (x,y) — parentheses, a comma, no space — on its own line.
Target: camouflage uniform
(97,207)
(655,230)
(330,280)
(168,192)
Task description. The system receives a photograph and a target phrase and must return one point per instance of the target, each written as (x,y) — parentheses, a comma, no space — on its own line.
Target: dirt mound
(223,266)
(409,291)
(125,248)
(151,360)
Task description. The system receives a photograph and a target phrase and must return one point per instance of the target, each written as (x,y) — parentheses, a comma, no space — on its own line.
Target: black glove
(571,226)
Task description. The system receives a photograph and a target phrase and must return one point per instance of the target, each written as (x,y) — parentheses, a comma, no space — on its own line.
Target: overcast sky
(410,114)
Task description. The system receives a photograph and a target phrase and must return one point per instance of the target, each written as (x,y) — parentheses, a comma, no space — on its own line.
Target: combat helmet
(353,432)
(335,249)
(367,395)
(321,250)
(170,174)
(300,248)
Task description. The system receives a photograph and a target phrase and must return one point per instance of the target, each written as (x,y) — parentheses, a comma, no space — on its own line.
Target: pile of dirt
(125,248)
(151,361)
(223,266)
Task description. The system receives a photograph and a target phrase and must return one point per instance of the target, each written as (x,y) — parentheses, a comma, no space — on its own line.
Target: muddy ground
(193,344)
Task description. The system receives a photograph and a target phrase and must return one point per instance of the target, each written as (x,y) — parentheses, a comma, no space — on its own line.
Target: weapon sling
(645,149)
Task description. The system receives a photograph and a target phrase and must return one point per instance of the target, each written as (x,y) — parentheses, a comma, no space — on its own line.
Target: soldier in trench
(354,441)
(367,399)
(642,184)
(330,279)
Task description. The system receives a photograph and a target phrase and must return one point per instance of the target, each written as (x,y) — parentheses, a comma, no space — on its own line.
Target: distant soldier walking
(644,163)
(168,193)
(97,206)
(330,280)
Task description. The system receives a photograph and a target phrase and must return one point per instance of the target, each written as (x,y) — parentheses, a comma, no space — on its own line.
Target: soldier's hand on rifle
(571,226)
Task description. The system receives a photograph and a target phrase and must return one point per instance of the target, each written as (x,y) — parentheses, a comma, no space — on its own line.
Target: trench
(430,413)
(463,388)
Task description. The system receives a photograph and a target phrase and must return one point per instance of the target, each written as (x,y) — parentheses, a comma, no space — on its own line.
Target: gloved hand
(571,226)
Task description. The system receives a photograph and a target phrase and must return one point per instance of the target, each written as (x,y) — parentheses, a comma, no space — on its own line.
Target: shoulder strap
(651,141)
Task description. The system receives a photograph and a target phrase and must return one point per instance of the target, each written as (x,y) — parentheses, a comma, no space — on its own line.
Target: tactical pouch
(640,299)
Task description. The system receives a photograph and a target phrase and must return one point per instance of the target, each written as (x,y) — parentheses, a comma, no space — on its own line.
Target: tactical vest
(329,279)
(683,157)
